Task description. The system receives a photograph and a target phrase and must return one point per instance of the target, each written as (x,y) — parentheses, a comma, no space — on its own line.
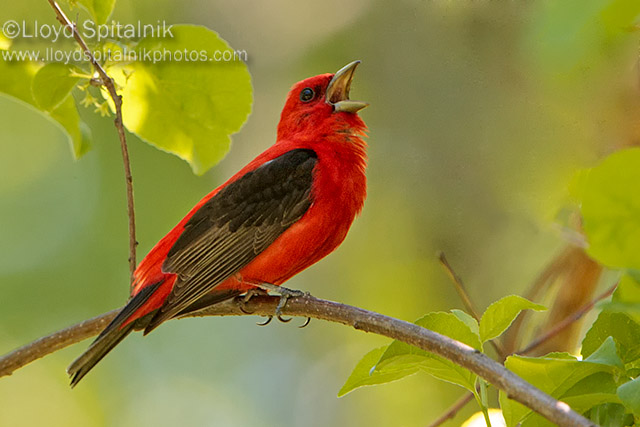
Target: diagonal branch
(559,327)
(460,288)
(453,410)
(108,83)
(466,300)
(307,306)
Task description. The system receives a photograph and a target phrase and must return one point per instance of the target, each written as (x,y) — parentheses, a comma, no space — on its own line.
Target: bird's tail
(115,332)
(111,335)
(98,349)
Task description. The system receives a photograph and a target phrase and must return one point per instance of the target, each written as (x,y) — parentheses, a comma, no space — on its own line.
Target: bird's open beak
(338,90)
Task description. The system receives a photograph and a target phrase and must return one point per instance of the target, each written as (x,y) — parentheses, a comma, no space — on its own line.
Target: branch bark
(567,321)
(453,410)
(108,83)
(307,306)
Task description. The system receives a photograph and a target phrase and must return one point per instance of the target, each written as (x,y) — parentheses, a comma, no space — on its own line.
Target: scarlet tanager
(287,209)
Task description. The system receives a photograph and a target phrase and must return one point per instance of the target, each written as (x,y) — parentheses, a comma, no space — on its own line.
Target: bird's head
(321,104)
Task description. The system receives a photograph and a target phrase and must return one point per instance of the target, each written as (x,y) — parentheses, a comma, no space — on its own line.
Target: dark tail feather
(98,349)
(115,332)
(110,336)
(211,298)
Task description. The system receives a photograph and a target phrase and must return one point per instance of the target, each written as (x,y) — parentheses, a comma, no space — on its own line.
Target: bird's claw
(266,322)
(306,322)
(285,294)
(242,302)
(285,320)
(282,319)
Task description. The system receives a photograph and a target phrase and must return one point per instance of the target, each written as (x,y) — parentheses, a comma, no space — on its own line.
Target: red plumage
(316,186)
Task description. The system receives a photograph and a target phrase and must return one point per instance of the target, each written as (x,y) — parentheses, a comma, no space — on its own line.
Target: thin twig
(453,410)
(466,300)
(462,291)
(307,306)
(541,282)
(567,321)
(108,83)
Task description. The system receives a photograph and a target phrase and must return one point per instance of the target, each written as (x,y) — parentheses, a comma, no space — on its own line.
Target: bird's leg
(244,299)
(285,294)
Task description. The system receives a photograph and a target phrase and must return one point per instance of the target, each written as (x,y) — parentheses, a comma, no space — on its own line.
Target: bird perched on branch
(287,209)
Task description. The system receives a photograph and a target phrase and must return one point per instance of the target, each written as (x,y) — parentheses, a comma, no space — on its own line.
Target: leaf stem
(484,401)
(108,83)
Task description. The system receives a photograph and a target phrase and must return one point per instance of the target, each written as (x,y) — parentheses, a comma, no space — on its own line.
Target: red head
(321,104)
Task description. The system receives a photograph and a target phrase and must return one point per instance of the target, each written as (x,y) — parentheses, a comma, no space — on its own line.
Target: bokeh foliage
(481,115)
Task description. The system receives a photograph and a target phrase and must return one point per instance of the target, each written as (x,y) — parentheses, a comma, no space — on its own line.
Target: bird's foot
(244,299)
(285,294)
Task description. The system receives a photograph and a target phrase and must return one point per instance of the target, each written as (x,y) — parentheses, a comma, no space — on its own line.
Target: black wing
(236,225)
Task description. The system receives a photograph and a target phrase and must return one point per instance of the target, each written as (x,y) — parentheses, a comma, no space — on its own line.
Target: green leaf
(563,378)
(625,332)
(17,82)
(468,320)
(364,374)
(184,107)
(610,415)
(592,391)
(611,210)
(449,324)
(100,10)
(400,355)
(578,184)
(53,83)
(16,79)
(5,43)
(499,315)
(633,368)
(67,117)
(607,354)
(629,394)
(626,298)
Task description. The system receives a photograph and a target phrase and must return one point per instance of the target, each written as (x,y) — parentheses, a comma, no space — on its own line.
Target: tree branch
(44,346)
(108,83)
(460,288)
(453,410)
(567,321)
(307,306)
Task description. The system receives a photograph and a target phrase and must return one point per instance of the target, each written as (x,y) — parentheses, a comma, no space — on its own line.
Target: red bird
(287,209)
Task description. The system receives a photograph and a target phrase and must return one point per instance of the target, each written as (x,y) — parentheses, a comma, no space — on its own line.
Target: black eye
(307,94)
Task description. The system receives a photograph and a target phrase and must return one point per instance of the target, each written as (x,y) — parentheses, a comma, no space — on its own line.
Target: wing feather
(235,226)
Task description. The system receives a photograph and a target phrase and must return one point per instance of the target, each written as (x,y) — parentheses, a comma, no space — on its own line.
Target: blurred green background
(481,112)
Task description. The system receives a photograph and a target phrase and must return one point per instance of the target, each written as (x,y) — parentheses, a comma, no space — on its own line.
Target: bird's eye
(307,94)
